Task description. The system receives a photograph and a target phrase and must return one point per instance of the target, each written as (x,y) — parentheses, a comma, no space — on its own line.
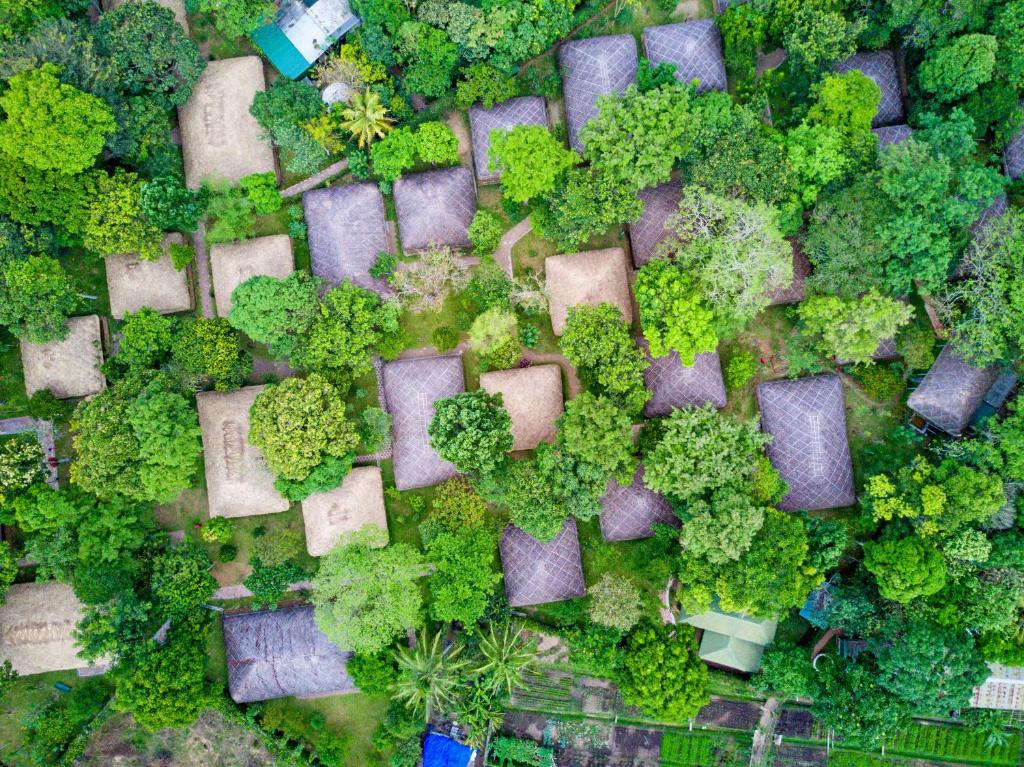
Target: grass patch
(356,715)
(213,42)
(216,653)
(13,401)
(28,694)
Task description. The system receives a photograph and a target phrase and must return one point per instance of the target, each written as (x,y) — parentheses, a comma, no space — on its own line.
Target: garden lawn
(26,695)
(355,715)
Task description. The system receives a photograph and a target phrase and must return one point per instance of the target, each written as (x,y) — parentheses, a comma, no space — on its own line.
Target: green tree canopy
(276,312)
(529,159)
(905,568)
(662,675)
(959,67)
(851,330)
(115,222)
(672,312)
(464,577)
(36,298)
(472,430)
(599,432)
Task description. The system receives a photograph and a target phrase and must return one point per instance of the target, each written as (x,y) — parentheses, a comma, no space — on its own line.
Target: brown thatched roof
(36,624)
(533,398)
(220,140)
(134,283)
(68,368)
(279,653)
(592,277)
(411,387)
(627,513)
(880,66)
(660,202)
(234,263)
(347,230)
(435,208)
(526,110)
(358,501)
(672,384)
(239,484)
(951,391)
(806,419)
(537,573)
(598,66)
(695,47)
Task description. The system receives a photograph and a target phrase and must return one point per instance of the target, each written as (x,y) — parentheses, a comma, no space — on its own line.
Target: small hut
(694,47)
(593,277)
(628,512)
(134,283)
(648,231)
(67,368)
(880,66)
(525,110)
(347,230)
(591,68)
(358,501)
(673,384)
(951,391)
(537,573)
(732,640)
(533,398)
(37,621)
(234,263)
(435,208)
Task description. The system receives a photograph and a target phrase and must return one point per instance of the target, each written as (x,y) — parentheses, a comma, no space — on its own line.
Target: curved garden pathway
(204,289)
(316,180)
(503,255)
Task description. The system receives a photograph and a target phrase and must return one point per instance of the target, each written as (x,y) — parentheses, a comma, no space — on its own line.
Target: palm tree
(365,117)
(429,675)
(506,659)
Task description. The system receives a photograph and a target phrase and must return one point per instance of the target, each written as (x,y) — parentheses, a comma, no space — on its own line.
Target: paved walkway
(503,255)
(202,269)
(239,591)
(314,181)
(764,734)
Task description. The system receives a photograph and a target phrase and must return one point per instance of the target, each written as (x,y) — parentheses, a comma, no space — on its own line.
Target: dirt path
(764,732)
(457,122)
(503,255)
(239,591)
(314,181)
(202,269)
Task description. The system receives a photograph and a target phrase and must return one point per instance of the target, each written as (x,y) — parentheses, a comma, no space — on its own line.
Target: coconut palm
(365,117)
(429,675)
(506,659)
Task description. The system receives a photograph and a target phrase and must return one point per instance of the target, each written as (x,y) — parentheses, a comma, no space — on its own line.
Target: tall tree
(661,673)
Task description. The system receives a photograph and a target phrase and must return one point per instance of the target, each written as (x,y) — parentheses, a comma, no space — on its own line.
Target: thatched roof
(411,387)
(627,513)
(234,263)
(994,211)
(892,134)
(220,140)
(279,653)
(646,232)
(347,230)
(537,573)
(1003,690)
(593,68)
(672,384)
(238,482)
(36,622)
(1013,155)
(526,110)
(806,419)
(176,6)
(533,398)
(794,292)
(951,391)
(435,208)
(695,47)
(880,66)
(358,501)
(592,277)
(134,283)
(68,368)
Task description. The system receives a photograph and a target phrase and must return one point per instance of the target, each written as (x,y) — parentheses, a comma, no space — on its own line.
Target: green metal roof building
(732,640)
(302,31)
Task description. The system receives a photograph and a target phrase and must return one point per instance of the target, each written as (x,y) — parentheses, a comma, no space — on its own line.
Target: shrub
(276,549)
(485,233)
(880,382)
(741,369)
(269,584)
(436,144)
(374,429)
(445,338)
(384,266)
(373,673)
(181,255)
(767,485)
(529,335)
(228,552)
(916,345)
(493,331)
(456,506)
(261,190)
(218,530)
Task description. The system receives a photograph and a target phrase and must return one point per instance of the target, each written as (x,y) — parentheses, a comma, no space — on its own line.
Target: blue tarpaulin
(442,751)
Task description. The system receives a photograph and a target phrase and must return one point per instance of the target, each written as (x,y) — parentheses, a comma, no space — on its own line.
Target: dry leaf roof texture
(537,573)
(435,208)
(660,202)
(525,110)
(67,368)
(233,263)
(951,391)
(673,385)
(533,398)
(358,501)
(134,283)
(695,47)
(627,512)
(36,625)
(592,277)
(598,66)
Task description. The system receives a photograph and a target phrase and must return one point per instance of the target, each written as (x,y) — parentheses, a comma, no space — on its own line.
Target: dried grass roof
(435,208)
(220,140)
(36,624)
(795,291)
(806,419)
(239,484)
(68,368)
(175,6)
(880,66)
(951,391)
(537,573)
(672,384)
(1013,155)
(134,283)
(892,134)
(646,232)
(592,277)
(411,387)
(235,262)
(533,398)
(695,47)
(278,653)
(1003,690)
(358,501)
(347,230)
(592,68)
(627,512)
(526,110)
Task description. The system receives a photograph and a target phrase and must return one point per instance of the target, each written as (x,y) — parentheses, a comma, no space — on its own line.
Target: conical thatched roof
(592,68)
(537,573)
(533,398)
(435,208)
(627,513)
(806,419)
(233,263)
(526,110)
(592,277)
(646,232)
(357,501)
(695,47)
(880,66)
(134,283)
(951,391)
(673,384)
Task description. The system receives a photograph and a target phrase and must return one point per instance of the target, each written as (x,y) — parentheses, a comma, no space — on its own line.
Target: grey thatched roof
(411,387)
(527,110)
(998,207)
(695,47)
(951,391)
(537,573)
(673,384)
(892,134)
(591,69)
(807,422)
(278,653)
(435,208)
(627,513)
(660,202)
(880,66)
(1013,155)
(794,292)
(347,230)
